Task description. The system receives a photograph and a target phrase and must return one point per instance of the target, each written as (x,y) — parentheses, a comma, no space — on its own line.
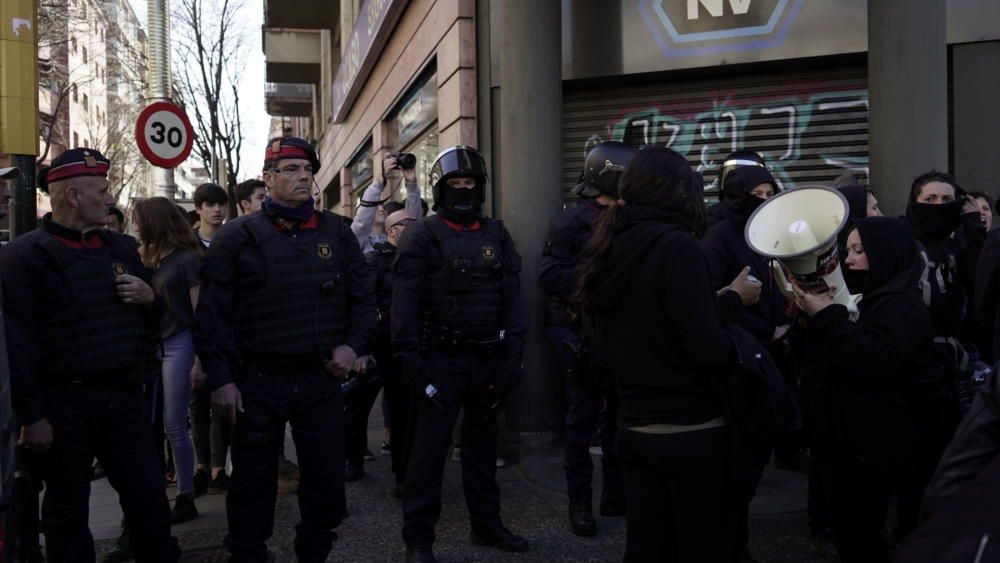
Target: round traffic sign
(164,134)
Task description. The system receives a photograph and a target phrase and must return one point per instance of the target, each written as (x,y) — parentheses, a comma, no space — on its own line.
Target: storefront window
(425,148)
(415,123)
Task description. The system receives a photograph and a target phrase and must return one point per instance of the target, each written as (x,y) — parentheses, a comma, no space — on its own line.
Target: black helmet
(604,165)
(742,157)
(458,161)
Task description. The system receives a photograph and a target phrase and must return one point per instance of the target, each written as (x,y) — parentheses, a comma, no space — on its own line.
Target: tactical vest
(84,329)
(302,307)
(380,259)
(464,292)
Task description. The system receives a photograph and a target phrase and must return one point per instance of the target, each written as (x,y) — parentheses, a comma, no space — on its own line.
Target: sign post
(164,134)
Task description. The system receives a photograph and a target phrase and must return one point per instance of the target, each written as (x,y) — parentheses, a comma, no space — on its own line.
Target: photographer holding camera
(369,221)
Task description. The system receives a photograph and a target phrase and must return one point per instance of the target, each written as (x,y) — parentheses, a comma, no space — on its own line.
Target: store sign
(714,26)
(371,31)
(417,112)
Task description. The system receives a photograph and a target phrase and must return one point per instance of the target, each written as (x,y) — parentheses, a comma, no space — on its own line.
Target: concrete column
(908,96)
(531,191)
(976,89)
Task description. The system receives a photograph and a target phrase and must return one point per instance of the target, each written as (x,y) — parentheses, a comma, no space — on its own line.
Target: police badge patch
(488,252)
(324,250)
(119,268)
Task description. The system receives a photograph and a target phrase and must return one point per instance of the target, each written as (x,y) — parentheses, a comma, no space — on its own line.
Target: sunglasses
(403,222)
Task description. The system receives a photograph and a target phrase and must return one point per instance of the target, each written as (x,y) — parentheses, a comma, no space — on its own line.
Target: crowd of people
(691,358)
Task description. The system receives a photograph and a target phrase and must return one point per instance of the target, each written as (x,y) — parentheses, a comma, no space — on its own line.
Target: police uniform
(590,405)
(79,357)
(275,301)
(457,327)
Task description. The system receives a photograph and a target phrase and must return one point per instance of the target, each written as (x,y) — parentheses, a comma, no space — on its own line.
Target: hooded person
(645,281)
(736,159)
(861,203)
(866,433)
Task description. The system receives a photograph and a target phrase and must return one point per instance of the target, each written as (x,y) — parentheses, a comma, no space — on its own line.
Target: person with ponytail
(645,281)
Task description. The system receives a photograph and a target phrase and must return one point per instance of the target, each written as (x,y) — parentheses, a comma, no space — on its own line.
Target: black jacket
(864,373)
(658,321)
(987,291)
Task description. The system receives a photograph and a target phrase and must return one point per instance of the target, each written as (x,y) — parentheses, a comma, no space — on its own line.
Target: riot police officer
(591,401)
(457,327)
(80,322)
(286,306)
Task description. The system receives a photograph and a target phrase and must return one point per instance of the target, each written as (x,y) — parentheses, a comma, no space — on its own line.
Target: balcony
(293,55)
(289,100)
(304,14)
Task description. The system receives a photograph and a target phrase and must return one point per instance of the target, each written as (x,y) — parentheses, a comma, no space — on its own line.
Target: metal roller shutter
(810,126)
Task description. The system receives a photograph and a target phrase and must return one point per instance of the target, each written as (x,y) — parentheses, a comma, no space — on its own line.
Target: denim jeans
(178,359)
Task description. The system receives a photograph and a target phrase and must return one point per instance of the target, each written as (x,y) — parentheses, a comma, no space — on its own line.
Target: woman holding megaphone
(645,281)
(865,373)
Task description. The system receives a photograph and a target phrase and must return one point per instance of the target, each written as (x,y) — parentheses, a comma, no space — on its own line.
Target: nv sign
(714,7)
(701,27)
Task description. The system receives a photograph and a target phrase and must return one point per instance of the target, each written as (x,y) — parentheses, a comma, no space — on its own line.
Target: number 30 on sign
(164,134)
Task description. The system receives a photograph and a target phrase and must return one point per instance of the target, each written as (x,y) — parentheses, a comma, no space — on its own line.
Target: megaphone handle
(784,285)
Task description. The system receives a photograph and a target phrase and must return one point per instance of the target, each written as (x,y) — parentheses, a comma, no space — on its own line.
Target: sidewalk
(534,505)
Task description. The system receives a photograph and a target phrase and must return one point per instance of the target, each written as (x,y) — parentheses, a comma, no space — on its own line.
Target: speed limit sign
(164,134)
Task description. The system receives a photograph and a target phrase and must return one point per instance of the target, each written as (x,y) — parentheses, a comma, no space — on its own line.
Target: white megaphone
(799,229)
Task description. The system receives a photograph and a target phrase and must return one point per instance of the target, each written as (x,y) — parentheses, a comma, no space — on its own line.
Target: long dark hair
(163,228)
(658,180)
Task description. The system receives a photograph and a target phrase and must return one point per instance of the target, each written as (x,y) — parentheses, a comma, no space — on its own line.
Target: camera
(405,160)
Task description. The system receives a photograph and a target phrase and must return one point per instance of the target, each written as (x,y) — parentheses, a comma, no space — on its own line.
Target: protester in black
(646,280)
(865,375)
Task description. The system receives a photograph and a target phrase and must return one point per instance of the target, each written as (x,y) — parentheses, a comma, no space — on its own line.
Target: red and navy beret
(74,163)
(281,148)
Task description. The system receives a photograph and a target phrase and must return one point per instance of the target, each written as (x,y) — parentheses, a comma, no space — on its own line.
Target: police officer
(591,401)
(286,305)
(457,327)
(80,322)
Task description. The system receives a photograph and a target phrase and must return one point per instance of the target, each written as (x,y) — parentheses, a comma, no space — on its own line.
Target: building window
(86,103)
(74,94)
(84,55)
(415,124)
(76,139)
(73,45)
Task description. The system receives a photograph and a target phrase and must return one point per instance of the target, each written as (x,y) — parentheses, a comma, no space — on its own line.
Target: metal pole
(158,22)
(24,214)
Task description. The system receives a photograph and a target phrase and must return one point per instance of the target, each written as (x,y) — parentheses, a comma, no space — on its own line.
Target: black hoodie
(728,253)
(658,320)
(865,372)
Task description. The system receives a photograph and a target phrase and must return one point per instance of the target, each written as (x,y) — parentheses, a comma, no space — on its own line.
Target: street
(534,505)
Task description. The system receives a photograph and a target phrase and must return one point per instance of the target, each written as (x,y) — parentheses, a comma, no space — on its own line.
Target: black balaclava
(736,193)
(934,221)
(891,250)
(460,205)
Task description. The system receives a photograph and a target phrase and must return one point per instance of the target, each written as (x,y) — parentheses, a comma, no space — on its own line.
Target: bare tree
(208,61)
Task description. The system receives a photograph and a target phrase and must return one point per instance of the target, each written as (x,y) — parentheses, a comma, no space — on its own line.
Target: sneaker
(98,472)
(369,456)
(184,509)
(581,519)
(456,454)
(354,472)
(500,538)
(288,470)
(420,555)
(121,550)
(501,463)
(386,448)
(200,483)
(220,484)
(287,486)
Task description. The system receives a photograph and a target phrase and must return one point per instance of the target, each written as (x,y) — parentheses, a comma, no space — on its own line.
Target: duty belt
(285,362)
(452,341)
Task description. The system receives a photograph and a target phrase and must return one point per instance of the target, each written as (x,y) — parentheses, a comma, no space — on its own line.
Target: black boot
(581,519)
(200,483)
(420,555)
(184,509)
(121,550)
(500,538)
(612,504)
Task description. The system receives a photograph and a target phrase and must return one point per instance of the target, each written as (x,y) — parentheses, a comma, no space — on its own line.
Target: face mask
(750,204)
(462,203)
(935,221)
(855,280)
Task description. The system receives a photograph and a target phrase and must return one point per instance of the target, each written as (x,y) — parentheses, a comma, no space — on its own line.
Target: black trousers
(858,505)
(461,379)
(111,423)
(677,498)
(586,412)
(398,397)
(357,407)
(311,402)
(210,431)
